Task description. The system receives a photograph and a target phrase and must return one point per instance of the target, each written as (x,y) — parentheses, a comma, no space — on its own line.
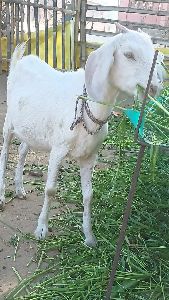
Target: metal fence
(50,26)
(151,16)
(60,30)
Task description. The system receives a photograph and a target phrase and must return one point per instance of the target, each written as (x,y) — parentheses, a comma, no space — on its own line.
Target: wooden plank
(143,25)
(72,37)
(154,1)
(71,5)
(101,20)
(46,31)
(17,22)
(22,20)
(0,38)
(29,27)
(72,45)
(76,31)
(12,26)
(8,34)
(99,33)
(126,23)
(36,27)
(83,33)
(160,41)
(38,5)
(54,34)
(63,35)
(127,10)
(155,33)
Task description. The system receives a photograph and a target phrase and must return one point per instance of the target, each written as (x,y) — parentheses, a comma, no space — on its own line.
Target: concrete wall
(145,19)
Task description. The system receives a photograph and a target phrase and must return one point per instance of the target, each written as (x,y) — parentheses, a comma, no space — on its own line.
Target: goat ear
(121,28)
(139,30)
(97,70)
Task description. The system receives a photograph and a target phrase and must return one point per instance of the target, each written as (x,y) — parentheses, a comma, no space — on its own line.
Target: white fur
(160,69)
(41,107)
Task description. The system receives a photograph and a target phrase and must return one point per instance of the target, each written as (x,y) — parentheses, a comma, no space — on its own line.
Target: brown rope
(81,119)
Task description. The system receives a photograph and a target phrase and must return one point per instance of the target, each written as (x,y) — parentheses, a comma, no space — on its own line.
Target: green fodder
(156,128)
(78,272)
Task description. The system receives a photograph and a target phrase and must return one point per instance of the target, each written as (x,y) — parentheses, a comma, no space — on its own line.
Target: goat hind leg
(56,157)
(23,150)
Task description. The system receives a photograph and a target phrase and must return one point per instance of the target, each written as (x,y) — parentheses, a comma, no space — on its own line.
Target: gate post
(0,38)
(77,6)
(83,33)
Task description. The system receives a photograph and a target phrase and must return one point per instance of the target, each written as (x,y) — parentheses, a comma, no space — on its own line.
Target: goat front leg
(7,136)
(86,170)
(23,150)
(56,157)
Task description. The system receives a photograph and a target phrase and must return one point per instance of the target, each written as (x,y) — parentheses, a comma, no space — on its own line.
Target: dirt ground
(19,216)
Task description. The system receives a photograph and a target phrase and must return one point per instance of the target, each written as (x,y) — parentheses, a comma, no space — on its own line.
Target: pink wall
(147,19)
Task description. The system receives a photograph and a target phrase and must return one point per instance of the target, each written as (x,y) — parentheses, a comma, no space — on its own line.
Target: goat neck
(99,110)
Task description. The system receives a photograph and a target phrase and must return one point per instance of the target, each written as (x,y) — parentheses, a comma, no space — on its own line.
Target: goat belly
(33,131)
(34,139)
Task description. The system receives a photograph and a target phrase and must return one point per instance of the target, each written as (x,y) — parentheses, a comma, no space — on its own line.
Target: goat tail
(17,55)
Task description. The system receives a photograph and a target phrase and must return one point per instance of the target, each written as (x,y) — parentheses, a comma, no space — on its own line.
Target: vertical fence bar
(72,45)
(22,20)
(76,30)
(63,35)
(8,30)
(17,22)
(36,27)
(71,6)
(83,33)
(0,38)
(29,27)
(46,31)
(54,34)
(12,25)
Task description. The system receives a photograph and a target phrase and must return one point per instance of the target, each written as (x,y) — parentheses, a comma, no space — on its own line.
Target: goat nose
(153,90)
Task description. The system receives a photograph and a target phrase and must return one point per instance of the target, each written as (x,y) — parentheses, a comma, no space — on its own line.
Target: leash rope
(85,108)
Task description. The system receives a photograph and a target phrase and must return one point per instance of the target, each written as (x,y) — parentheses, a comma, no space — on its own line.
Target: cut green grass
(81,273)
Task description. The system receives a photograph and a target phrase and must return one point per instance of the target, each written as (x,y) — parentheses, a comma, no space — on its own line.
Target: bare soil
(19,216)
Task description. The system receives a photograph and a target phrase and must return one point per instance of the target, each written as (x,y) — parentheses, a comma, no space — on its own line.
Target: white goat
(41,107)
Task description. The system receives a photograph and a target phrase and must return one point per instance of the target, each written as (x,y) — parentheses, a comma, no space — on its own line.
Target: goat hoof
(41,232)
(21,194)
(91,242)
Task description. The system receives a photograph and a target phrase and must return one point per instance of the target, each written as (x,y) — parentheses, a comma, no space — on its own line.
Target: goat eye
(129,55)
